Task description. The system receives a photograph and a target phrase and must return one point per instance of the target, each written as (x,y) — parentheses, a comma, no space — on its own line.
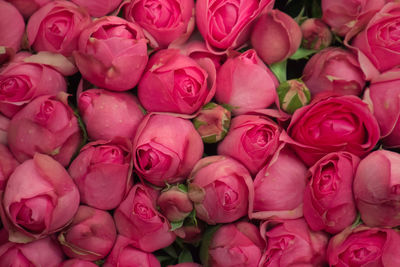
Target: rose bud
(252,140)
(46,125)
(126,254)
(238,244)
(191,233)
(279,187)
(165,149)
(212,123)
(377,189)
(176,83)
(112,53)
(219,30)
(137,219)
(90,236)
(4,125)
(281,33)
(109,114)
(7,165)
(164,22)
(27,8)
(41,205)
(221,189)
(56,26)
(346,125)
(316,34)
(334,70)
(364,246)
(245,83)
(292,243)
(77,263)
(42,252)
(328,199)
(174,203)
(293,94)
(102,173)
(98,8)
(21,81)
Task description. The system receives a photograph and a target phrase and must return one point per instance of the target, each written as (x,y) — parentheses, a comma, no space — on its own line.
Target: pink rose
(347,125)
(102,173)
(4,125)
(174,203)
(280,32)
(191,233)
(109,114)
(328,199)
(98,8)
(56,26)
(163,21)
(27,8)
(112,53)
(7,165)
(245,83)
(46,125)
(176,83)
(41,205)
(90,236)
(138,219)
(77,263)
(316,34)
(221,189)
(334,70)
(165,149)
(219,30)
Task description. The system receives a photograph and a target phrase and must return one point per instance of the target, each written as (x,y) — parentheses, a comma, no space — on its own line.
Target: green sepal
(303,53)
(357,221)
(176,225)
(279,69)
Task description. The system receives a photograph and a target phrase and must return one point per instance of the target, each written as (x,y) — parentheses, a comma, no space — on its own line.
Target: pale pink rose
(174,203)
(316,34)
(7,165)
(77,263)
(27,8)
(98,8)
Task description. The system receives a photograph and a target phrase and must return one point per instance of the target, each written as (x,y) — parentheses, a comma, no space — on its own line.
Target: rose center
(143,211)
(45,112)
(13,88)
(108,154)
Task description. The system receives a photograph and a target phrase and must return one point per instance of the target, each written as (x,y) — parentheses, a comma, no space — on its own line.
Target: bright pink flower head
(316,34)
(98,8)
(7,165)
(77,263)
(27,8)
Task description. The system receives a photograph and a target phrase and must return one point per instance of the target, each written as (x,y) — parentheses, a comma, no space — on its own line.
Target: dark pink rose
(165,149)
(46,125)
(4,125)
(90,236)
(77,263)
(41,205)
(221,189)
(346,125)
(7,165)
(364,246)
(174,203)
(316,34)
(98,8)
(176,83)
(27,8)
(328,199)
(109,114)
(112,53)
(138,219)
(56,26)
(334,70)
(163,21)
(280,32)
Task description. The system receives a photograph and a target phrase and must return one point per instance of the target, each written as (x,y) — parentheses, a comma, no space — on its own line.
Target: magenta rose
(219,30)
(56,26)
(176,83)
(316,34)
(174,203)
(334,70)
(27,8)
(7,165)
(364,246)
(165,149)
(138,219)
(77,263)
(112,53)
(98,8)
(41,205)
(221,189)
(328,199)
(346,125)
(163,21)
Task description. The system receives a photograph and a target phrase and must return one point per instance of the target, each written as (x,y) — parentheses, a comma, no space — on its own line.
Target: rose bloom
(98,8)
(77,263)
(27,8)
(7,165)
(4,124)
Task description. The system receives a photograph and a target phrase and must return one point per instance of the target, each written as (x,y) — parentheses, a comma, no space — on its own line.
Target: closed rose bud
(280,32)
(7,165)
(316,34)
(27,8)
(174,203)
(77,263)
(98,8)
(293,94)
(191,233)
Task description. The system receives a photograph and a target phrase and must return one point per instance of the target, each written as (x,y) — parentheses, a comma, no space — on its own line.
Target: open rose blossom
(41,205)
(46,125)
(98,8)
(165,149)
(163,21)
(316,34)
(279,187)
(328,199)
(245,83)
(221,189)
(176,83)
(174,203)
(292,243)
(112,53)
(236,245)
(7,165)
(109,114)
(56,26)
(226,24)
(77,263)
(138,219)
(346,125)
(90,236)
(102,172)
(364,246)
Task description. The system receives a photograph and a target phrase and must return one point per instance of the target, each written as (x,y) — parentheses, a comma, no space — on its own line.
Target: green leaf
(99,262)
(316,10)
(302,53)
(357,221)
(185,256)
(183,188)
(279,69)
(176,225)
(207,237)
(170,250)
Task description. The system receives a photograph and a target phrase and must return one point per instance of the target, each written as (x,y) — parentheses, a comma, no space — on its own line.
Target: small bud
(174,203)
(293,94)
(316,34)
